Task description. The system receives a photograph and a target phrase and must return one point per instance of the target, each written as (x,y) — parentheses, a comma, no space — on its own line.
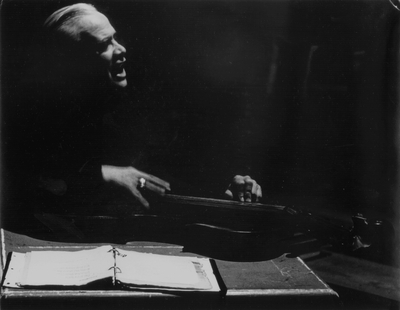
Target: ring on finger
(142,182)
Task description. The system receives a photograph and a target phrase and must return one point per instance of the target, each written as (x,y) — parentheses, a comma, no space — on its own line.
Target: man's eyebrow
(108,37)
(105,39)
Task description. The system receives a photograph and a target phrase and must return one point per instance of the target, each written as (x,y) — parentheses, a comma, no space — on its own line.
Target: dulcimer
(222,229)
(268,230)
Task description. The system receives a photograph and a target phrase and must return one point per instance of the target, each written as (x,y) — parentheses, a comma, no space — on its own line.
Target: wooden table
(281,283)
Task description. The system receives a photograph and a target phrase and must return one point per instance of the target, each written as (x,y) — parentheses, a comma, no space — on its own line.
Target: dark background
(301,95)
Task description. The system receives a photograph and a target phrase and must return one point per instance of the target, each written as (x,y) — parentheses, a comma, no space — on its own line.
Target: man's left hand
(244,189)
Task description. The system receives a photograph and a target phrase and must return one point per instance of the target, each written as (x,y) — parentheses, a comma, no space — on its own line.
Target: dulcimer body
(217,228)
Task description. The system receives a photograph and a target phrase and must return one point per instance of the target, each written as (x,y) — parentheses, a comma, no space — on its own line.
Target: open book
(109,267)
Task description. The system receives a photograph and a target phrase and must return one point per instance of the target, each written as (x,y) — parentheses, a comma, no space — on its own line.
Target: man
(82,73)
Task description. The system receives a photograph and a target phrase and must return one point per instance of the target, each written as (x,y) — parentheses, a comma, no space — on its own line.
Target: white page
(15,270)
(159,270)
(67,268)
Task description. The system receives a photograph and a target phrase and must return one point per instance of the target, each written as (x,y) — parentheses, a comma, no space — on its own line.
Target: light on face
(111,53)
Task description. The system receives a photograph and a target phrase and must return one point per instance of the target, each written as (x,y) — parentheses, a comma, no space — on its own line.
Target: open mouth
(118,71)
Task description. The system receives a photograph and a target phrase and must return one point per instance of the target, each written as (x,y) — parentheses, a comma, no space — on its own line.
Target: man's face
(111,53)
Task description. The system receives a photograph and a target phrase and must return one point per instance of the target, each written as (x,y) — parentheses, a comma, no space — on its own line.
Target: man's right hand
(131,178)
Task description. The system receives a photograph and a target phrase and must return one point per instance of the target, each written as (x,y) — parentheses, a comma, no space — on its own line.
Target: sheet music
(160,270)
(130,269)
(67,268)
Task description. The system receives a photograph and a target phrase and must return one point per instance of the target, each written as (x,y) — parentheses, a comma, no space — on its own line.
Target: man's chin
(119,82)
(122,83)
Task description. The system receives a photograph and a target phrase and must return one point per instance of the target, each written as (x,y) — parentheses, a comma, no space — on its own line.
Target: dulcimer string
(255,207)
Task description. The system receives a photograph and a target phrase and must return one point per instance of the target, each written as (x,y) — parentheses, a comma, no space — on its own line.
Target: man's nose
(119,49)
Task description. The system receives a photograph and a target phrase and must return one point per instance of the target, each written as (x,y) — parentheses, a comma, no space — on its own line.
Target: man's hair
(68,20)
(67,53)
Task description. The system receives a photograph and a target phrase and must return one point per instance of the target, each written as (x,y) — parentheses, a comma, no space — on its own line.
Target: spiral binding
(116,252)
(115,268)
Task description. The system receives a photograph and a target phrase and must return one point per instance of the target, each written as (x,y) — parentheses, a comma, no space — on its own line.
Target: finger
(238,184)
(247,196)
(250,188)
(228,194)
(259,192)
(240,195)
(254,189)
(139,197)
(157,181)
(238,179)
(155,188)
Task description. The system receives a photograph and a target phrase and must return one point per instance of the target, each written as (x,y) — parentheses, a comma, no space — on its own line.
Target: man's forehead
(96,25)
